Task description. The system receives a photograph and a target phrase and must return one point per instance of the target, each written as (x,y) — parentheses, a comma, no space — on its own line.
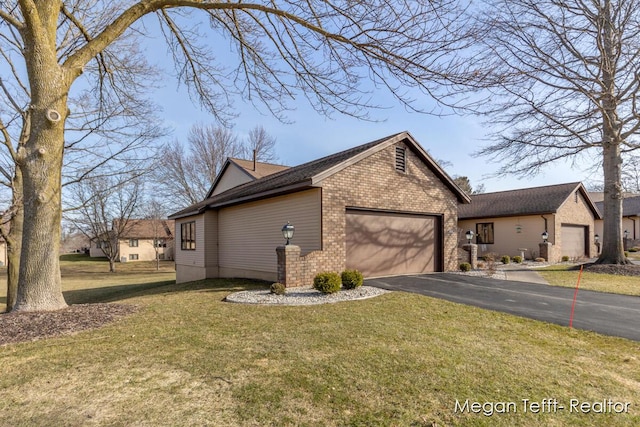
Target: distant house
(630,218)
(140,240)
(3,253)
(506,222)
(384,208)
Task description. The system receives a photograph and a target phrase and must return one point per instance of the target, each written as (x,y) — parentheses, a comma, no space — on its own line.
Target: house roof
(253,170)
(630,206)
(146,229)
(527,201)
(311,174)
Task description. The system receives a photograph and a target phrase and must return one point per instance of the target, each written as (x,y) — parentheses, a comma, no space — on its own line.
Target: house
(385,207)
(238,171)
(3,253)
(630,219)
(140,240)
(506,222)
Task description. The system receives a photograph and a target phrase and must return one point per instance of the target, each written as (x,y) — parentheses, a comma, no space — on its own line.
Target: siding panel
(250,233)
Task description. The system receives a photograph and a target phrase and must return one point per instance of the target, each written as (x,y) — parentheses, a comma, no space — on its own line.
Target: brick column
(289,265)
(545,251)
(472,250)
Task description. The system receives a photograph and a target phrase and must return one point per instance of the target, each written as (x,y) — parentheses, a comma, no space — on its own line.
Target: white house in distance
(140,240)
(384,208)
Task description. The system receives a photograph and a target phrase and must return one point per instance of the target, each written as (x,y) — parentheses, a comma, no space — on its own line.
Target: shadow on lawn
(123,292)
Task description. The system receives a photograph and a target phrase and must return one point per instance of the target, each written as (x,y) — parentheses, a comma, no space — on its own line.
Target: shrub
(517,259)
(489,257)
(540,259)
(626,254)
(351,279)
(465,266)
(565,258)
(327,282)
(633,249)
(506,259)
(278,289)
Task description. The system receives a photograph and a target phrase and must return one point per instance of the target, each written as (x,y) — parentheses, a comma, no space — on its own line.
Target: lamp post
(287,231)
(596,238)
(545,236)
(469,235)
(625,243)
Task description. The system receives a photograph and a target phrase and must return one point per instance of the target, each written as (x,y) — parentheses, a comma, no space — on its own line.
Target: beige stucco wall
(510,234)
(232,177)
(3,253)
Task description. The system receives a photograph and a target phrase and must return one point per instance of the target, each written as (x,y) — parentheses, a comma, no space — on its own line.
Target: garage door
(384,244)
(573,240)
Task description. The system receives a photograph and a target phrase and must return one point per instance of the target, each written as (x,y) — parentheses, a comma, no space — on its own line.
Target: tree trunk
(39,284)
(612,243)
(112,265)
(14,243)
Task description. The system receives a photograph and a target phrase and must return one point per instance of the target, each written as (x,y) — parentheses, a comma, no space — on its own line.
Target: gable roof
(630,206)
(527,201)
(253,171)
(311,174)
(146,229)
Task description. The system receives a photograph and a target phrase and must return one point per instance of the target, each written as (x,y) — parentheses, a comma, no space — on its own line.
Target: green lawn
(561,275)
(189,358)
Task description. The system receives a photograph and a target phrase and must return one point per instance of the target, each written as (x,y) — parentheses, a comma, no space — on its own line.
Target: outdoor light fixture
(626,234)
(596,238)
(287,231)
(469,236)
(545,236)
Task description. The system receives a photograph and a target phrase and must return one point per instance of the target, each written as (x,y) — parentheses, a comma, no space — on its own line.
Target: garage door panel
(380,244)
(573,240)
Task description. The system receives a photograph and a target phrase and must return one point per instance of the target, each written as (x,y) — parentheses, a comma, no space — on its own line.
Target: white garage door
(384,244)
(573,240)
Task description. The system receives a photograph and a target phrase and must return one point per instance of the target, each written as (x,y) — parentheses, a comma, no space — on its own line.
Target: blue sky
(311,135)
(451,138)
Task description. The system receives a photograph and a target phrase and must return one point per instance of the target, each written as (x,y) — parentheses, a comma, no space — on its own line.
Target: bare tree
(106,207)
(186,174)
(260,144)
(321,50)
(161,233)
(564,80)
(465,184)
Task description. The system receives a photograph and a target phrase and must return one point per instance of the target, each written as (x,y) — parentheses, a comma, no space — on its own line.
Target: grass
(189,358)
(561,275)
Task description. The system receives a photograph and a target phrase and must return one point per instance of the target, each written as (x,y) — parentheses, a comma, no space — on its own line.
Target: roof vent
(401,159)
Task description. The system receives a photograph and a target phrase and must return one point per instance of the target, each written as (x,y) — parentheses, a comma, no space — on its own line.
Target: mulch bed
(620,270)
(30,326)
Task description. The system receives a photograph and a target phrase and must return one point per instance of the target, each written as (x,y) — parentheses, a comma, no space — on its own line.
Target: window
(133,257)
(159,243)
(133,243)
(401,159)
(188,236)
(484,233)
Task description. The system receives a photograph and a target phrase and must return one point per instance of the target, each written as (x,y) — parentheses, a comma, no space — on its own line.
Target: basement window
(401,159)
(133,257)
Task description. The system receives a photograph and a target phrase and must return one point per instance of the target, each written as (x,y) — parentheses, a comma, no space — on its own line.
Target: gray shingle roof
(630,206)
(296,178)
(527,201)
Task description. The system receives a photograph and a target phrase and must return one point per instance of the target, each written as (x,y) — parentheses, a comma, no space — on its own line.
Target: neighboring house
(237,171)
(140,240)
(630,218)
(384,208)
(3,253)
(506,222)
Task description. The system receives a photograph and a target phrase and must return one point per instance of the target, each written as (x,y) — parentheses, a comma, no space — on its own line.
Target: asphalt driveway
(609,314)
